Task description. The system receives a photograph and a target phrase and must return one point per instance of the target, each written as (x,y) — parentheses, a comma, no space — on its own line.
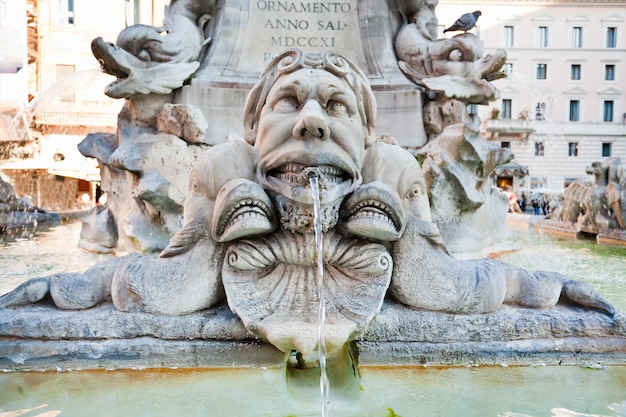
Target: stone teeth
(293,168)
(290,173)
(373,209)
(288,177)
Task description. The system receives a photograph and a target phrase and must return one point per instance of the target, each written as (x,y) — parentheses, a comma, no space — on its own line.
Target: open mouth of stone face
(244,218)
(492,65)
(241,209)
(296,174)
(373,212)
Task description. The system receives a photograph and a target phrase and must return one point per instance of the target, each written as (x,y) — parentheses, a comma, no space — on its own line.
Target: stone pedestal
(245,35)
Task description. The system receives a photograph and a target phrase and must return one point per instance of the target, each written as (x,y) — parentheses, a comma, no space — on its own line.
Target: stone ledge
(44,337)
(147,352)
(399,323)
(44,321)
(141,352)
(574,350)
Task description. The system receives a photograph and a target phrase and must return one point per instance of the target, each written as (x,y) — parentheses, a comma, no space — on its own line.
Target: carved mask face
(310,119)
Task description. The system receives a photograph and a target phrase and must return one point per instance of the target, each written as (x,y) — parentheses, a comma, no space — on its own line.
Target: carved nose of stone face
(312,122)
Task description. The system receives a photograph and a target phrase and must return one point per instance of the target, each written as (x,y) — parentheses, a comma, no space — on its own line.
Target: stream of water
(319,248)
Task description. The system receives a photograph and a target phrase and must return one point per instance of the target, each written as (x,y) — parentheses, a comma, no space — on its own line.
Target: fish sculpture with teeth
(248,236)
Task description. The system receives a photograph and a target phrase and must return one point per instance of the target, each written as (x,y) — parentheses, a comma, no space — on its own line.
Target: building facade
(52,89)
(562,105)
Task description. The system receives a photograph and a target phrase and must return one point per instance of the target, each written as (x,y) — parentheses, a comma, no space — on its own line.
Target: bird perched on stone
(465,22)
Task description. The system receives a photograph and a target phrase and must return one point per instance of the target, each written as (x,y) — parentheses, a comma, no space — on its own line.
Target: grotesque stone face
(310,120)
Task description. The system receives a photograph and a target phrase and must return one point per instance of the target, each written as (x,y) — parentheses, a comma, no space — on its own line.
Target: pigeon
(465,22)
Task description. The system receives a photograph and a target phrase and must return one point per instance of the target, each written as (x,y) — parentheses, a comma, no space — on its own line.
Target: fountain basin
(408,363)
(43,337)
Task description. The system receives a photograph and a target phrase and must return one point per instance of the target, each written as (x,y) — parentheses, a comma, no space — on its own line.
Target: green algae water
(601,266)
(538,391)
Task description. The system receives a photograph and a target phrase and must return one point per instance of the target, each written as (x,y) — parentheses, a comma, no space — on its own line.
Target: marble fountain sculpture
(593,206)
(235,280)
(17,214)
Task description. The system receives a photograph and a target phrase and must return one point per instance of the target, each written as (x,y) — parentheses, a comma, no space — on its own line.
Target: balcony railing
(523,128)
(76,119)
(80,113)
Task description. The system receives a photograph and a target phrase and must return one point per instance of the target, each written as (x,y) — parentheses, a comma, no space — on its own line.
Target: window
(609,72)
(505,145)
(611,37)
(506,108)
(574,108)
(543,36)
(607,115)
(542,71)
(508,68)
(538,182)
(63,71)
(508,36)
(70,12)
(539,148)
(606,149)
(540,111)
(66,12)
(572,149)
(575,72)
(577,37)
(132,12)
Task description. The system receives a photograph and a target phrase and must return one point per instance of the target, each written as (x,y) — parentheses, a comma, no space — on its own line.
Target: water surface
(386,392)
(31,254)
(601,266)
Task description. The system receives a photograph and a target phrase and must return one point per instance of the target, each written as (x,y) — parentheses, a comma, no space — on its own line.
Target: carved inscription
(313,26)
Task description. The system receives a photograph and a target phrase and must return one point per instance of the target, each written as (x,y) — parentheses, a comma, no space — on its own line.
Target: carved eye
(455,55)
(336,107)
(413,192)
(194,183)
(286,104)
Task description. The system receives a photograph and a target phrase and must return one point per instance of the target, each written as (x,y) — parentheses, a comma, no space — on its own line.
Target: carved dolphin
(186,276)
(426,276)
(375,209)
(222,201)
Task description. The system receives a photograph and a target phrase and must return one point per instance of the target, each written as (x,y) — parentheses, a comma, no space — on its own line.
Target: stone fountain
(20,213)
(218,215)
(593,206)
